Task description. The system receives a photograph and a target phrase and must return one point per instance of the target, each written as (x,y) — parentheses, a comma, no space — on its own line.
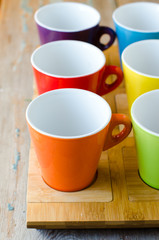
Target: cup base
(75,189)
(148,184)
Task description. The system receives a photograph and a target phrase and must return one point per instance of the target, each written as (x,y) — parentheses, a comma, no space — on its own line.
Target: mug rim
(132,68)
(65,30)
(143,128)
(58,91)
(65,42)
(130,28)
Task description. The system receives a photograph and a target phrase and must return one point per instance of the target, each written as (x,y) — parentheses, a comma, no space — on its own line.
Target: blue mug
(135,22)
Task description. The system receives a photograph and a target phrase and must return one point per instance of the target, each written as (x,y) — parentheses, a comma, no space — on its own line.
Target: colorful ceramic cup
(140,62)
(69,129)
(136,21)
(145,117)
(73,64)
(70,20)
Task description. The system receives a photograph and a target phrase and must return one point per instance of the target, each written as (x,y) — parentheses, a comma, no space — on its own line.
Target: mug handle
(112,140)
(101,31)
(105,87)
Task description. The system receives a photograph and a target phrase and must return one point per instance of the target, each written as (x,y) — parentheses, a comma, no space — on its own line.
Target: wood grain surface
(18,38)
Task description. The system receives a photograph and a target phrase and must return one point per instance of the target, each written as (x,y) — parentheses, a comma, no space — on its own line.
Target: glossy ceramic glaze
(74,21)
(135,22)
(145,117)
(73,64)
(69,129)
(141,68)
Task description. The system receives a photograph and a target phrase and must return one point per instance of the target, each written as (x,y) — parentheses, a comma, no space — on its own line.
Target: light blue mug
(135,22)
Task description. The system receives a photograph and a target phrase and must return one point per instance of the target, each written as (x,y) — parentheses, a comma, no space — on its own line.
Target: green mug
(145,119)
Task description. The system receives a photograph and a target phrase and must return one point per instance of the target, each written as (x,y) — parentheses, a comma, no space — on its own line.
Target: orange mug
(69,129)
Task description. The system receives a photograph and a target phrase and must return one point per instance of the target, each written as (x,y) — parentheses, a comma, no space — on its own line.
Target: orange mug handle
(109,70)
(112,140)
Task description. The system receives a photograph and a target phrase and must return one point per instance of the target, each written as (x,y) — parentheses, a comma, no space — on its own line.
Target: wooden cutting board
(116,198)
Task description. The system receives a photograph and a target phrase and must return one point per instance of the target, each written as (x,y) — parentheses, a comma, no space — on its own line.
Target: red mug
(73,64)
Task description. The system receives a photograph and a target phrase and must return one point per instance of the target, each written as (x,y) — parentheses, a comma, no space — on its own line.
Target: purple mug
(74,21)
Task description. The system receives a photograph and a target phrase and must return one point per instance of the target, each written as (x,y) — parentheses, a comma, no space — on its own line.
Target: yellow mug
(140,62)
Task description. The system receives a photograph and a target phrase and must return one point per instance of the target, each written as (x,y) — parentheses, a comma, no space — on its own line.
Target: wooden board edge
(93,224)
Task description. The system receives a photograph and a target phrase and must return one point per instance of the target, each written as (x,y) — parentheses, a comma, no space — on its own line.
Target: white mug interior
(67,16)
(68,113)
(138,16)
(68,58)
(145,112)
(143,57)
